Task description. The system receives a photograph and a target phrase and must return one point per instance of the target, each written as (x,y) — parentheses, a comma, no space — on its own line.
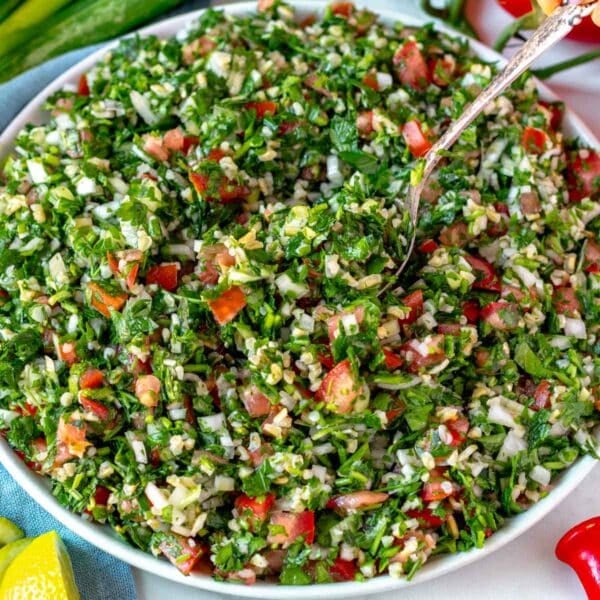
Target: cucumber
(9,532)
(29,14)
(10,551)
(79,24)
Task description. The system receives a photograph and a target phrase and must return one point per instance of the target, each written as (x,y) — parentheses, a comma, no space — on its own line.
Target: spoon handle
(552,30)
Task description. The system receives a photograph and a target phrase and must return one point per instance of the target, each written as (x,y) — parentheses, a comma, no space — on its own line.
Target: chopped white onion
(575,328)
(142,107)
(541,475)
(334,173)
(155,495)
(513,444)
(177,414)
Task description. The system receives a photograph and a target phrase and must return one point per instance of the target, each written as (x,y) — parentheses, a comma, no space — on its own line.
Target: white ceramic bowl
(103,537)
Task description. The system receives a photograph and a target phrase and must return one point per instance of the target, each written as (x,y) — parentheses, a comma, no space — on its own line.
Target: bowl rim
(104,538)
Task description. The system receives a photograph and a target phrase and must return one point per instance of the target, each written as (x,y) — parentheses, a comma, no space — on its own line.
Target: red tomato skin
(226,307)
(364,123)
(415,139)
(101,495)
(428,246)
(259,507)
(491,313)
(470,310)
(565,301)
(370,80)
(96,408)
(266,107)
(541,396)
(411,68)
(414,301)
(392,360)
(583,176)
(585,32)
(534,140)
(83,89)
(433,492)
(174,551)
(343,570)
(295,525)
(342,9)
(489,280)
(164,275)
(426,517)
(556,111)
(339,387)
(91,379)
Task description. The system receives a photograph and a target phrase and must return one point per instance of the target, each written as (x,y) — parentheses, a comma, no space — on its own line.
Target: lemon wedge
(42,571)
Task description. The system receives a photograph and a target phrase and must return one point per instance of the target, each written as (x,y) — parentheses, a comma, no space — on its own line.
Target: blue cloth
(99,576)
(15,93)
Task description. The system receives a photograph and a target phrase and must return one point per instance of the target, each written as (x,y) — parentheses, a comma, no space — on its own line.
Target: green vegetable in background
(79,24)
(7,7)
(14,30)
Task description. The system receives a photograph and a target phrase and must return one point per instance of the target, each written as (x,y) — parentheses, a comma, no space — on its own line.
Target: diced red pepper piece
(164,275)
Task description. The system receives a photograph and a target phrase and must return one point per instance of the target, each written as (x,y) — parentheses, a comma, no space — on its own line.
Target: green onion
(547,72)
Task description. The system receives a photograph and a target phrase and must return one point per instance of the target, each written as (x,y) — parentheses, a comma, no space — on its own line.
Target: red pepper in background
(586,32)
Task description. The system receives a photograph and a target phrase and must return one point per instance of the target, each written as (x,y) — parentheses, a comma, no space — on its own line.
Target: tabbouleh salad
(194,347)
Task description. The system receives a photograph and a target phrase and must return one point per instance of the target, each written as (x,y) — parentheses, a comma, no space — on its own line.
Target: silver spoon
(552,30)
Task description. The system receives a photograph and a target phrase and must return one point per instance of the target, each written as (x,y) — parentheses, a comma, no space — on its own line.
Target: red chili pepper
(580,549)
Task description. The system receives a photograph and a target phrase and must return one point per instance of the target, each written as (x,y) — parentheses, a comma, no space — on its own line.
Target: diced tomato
(256,403)
(339,388)
(264,5)
(216,154)
(104,301)
(173,140)
(370,80)
(436,489)
(227,306)
(96,408)
(541,396)
(449,328)
(455,235)
(67,353)
(199,181)
(534,140)
(501,315)
(486,277)
(258,456)
(153,145)
(364,123)
(288,126)
(565,301)
(266,107)
(326,360)
(470,309)
(396,408)
(425,517)
(357,501)
(583,175)
(101,495)
(259,507)
(295,525)
(530,203)
(342,9)
(591,263)
(343,570)
(181,552)
(415,139)
(189,141)
(199,47)
(556,110)
(147,390)
(91,379)
(458,429)
(164,275)
(442,70)
(28,409)
(428,246)
(232,192)
(426,353)
(333,323)
(125,263)
(83,89)
(72,437)
(502,208)
(392,360)
(410,66)
(414,301)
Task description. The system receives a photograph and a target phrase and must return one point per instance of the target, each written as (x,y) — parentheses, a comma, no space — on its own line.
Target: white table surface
(526,568)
